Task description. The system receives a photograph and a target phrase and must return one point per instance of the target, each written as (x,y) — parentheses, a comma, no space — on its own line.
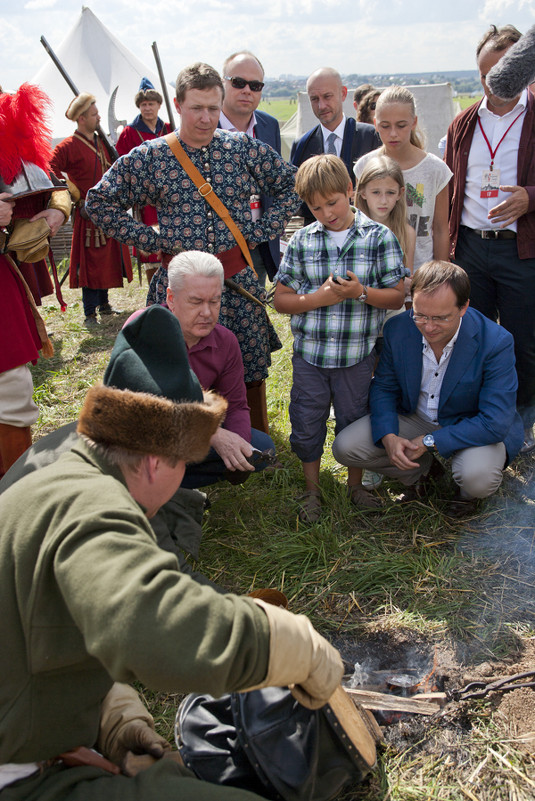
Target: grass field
(283,109)
(403,578)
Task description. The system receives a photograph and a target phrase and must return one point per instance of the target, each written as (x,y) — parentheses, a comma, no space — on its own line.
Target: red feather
(25,133)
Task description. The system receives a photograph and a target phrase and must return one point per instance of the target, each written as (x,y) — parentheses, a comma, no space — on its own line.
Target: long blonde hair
(384,167)
(399,94)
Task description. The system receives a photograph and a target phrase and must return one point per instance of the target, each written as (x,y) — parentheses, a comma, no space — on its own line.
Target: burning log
(424,704)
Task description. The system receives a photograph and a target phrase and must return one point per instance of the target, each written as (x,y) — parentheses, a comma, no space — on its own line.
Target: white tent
(434,103)
(96,62)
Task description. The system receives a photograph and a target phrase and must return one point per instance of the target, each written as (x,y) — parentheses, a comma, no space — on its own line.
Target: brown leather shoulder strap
(206,191)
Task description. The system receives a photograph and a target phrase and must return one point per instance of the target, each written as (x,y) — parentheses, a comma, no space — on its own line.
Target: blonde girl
(426,176)
(380,195)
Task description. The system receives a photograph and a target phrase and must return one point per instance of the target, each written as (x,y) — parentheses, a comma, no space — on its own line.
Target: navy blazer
(359,138)
(267,130)
(478,395)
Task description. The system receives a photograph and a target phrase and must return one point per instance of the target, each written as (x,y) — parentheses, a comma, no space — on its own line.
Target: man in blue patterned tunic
(237,166)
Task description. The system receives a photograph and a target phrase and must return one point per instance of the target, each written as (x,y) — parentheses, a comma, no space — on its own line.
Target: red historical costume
(97,261)
(132,136)
(24,164)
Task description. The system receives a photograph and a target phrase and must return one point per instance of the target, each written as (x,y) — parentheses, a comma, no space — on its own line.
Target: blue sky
(289,36)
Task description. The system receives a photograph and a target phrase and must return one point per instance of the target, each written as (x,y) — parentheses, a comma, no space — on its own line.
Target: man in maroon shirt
(194,297)
(214,354)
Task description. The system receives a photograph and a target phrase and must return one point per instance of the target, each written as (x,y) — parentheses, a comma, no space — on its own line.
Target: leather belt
(494,234)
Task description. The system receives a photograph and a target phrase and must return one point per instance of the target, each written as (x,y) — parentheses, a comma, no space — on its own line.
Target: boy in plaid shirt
(337,278)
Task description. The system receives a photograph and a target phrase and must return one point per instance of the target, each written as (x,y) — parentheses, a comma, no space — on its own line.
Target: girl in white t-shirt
(426,176)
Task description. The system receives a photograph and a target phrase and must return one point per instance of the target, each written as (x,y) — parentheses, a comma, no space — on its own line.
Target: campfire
(391,694)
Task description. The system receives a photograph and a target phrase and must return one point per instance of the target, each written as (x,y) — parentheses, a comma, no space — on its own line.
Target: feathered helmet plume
(25,130)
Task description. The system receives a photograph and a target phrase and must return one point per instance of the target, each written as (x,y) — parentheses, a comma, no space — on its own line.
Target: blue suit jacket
(359,139)
(267,130)
(478,395)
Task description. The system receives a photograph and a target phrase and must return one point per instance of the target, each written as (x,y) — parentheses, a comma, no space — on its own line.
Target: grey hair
(193,262)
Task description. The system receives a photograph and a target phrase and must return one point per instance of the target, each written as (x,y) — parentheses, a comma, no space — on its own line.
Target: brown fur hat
(80,105)
(145,423)
(152,401)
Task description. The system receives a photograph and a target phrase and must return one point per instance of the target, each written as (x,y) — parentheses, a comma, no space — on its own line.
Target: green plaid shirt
(343,334)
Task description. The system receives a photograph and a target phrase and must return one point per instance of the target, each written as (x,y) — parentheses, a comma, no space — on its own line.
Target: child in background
(381,196)
(426,176)
(337,276)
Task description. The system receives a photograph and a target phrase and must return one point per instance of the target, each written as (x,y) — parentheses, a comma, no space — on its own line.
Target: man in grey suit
(244,80)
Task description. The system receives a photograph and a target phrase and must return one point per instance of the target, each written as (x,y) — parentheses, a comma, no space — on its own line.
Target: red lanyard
(491,151)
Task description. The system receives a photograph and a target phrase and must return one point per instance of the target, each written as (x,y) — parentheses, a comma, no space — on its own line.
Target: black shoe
(420,489)
(529,441)
(107,308)
(461,507)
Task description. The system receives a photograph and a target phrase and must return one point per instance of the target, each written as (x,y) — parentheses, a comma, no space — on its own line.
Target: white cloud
(37,5)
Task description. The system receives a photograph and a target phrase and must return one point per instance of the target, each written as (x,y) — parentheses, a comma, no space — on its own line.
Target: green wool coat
(87,598)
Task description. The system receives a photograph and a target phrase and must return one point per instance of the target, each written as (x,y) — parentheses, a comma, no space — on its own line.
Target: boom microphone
(515,70)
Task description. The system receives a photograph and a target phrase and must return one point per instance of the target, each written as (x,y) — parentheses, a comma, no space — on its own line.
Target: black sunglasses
(241,83)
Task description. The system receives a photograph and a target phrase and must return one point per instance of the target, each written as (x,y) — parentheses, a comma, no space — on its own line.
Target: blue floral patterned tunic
(237,167)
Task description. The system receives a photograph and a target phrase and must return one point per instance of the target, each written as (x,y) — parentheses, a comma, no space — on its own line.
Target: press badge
(490,183)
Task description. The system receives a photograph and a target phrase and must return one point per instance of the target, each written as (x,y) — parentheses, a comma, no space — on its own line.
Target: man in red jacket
(492,222)
(147,125)
(97,261)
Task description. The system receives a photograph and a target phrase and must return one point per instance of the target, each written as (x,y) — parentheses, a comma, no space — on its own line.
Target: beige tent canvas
(96,62)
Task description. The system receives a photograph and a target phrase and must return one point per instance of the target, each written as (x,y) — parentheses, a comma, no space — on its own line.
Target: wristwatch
(429,442)
(364,297)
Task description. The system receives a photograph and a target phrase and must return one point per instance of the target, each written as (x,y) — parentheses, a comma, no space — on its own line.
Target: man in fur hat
(147,125)
(88,598)
(97,261)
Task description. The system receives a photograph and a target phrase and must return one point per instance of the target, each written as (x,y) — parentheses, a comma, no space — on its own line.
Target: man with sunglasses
(445,386)
(243,77)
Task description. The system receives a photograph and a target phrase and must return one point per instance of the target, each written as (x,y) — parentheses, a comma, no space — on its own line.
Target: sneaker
(91,320)
(529,441)
(371,480)
(310,506)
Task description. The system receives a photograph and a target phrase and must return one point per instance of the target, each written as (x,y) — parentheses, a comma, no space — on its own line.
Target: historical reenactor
(88,598)
(232,166)
(31,211)
(147,125)
(97,261)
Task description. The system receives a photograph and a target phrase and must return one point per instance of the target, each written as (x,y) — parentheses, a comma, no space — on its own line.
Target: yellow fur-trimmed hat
(80,105)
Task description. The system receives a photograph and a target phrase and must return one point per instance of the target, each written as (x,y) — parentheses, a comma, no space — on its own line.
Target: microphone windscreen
(515,70)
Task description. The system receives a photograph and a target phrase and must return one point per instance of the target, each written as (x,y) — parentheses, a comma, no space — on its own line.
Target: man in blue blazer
(243,77)
(336,133)
(445,384)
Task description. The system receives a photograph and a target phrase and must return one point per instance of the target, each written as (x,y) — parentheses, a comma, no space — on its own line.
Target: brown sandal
(310,506)
(363,499)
